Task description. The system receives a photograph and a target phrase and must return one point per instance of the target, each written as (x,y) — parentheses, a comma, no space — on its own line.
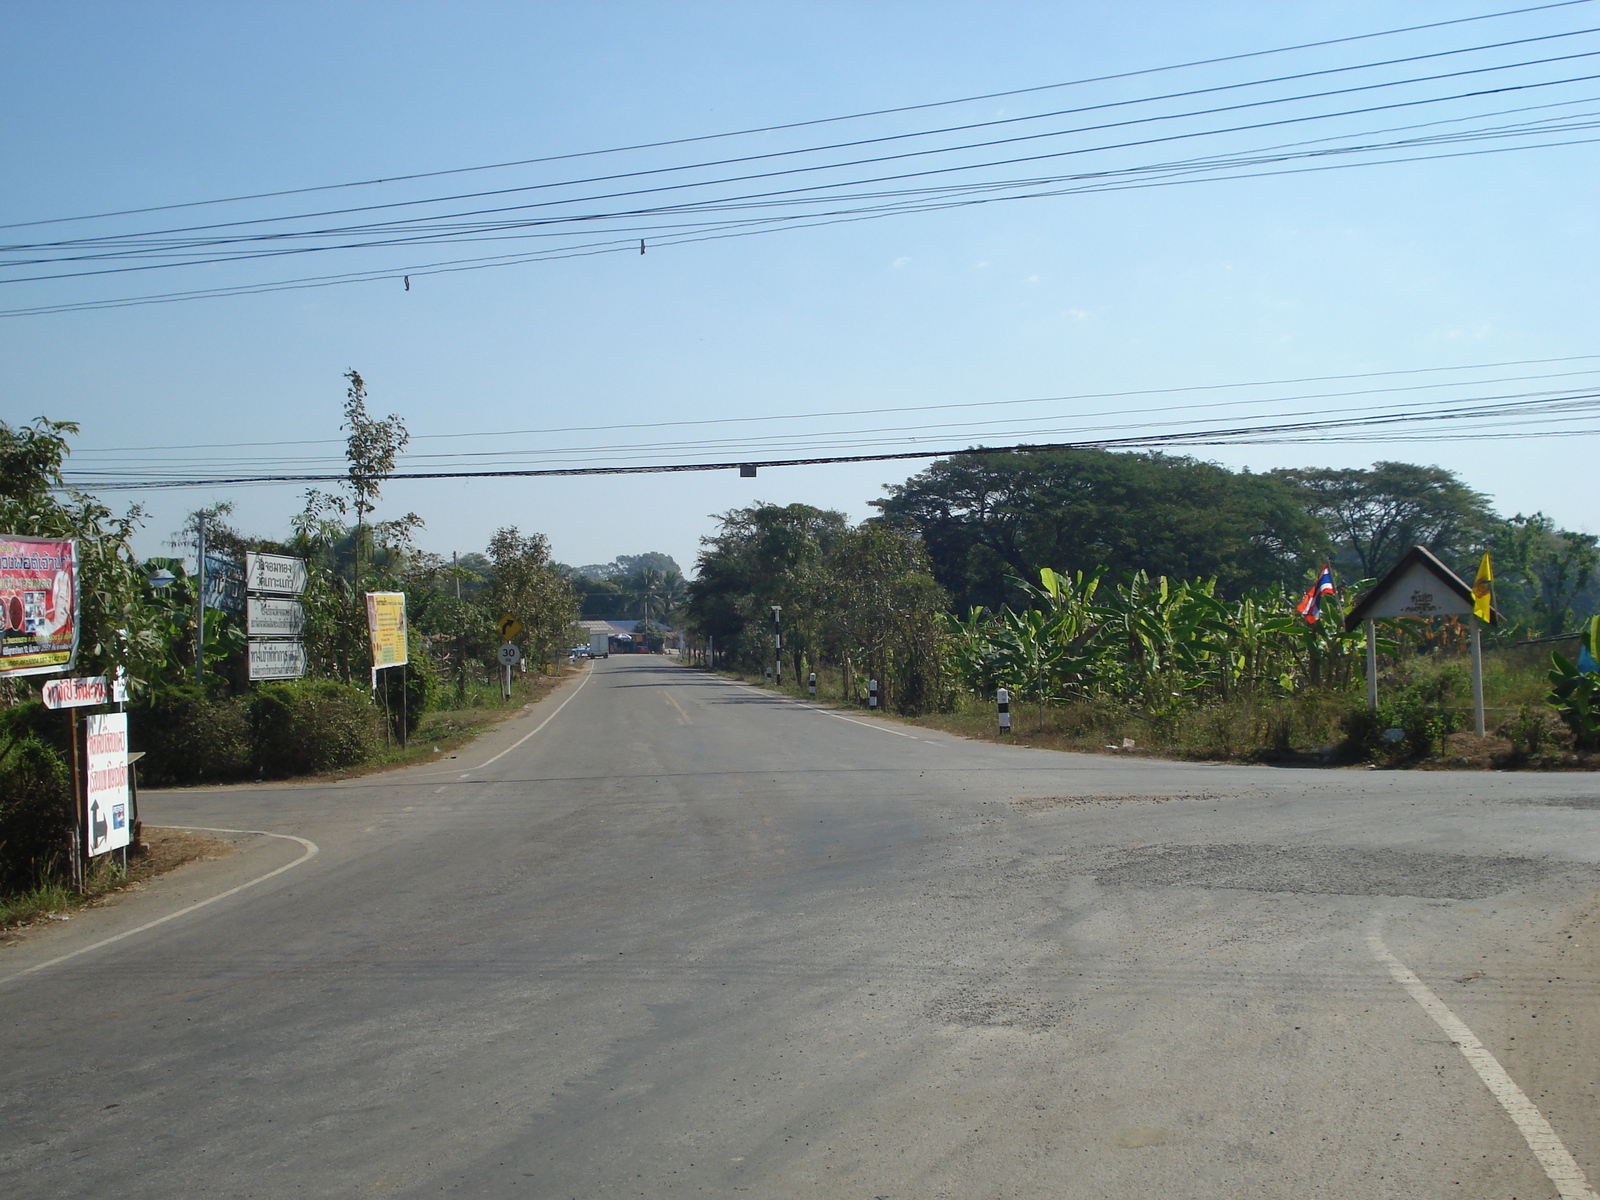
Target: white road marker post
(872,694)
(1002,699)
(811,682)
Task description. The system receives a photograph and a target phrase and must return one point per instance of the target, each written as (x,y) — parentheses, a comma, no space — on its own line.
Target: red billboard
(39,605)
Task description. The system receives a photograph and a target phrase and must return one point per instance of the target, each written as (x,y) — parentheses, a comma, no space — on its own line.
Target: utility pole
(461,650)
(777,644)
(200,607)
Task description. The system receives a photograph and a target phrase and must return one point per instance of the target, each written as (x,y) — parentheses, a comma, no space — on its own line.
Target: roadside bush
(1363,734)
(312,725)
(1428,708)
(1533,730)
(190,735)
(35,813)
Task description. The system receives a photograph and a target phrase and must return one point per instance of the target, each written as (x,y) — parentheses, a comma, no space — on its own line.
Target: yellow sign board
(386,626)
(509,627)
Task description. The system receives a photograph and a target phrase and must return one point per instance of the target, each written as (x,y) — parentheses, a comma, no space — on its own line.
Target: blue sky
(1383,268)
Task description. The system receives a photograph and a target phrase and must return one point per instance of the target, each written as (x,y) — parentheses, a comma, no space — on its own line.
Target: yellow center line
(679,707)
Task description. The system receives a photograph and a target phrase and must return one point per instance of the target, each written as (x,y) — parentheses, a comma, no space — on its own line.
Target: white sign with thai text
(83,693)
(277,660)
(275,573)
(106,825)
(1420,593)
(269,617)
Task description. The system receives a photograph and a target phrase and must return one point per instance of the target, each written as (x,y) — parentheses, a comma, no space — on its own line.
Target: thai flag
(1311,607)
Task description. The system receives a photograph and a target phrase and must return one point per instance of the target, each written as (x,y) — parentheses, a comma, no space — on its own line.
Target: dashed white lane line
(586,677)
(1553,1156)
(311,851)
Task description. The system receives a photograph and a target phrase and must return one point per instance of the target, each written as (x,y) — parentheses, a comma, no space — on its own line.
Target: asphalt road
(680,937)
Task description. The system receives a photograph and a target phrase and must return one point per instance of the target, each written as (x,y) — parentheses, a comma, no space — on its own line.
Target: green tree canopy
(1374,516)
(984,517)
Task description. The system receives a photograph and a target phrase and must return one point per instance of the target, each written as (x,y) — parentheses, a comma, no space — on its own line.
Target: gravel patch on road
(1328,870)
(1045,803)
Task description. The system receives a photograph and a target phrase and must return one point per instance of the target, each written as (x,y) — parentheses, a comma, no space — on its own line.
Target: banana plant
(1575,688)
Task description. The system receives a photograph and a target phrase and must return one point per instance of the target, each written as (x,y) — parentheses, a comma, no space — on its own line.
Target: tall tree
(525,584)
(1541,572)
(372,447)
(987,517)
(758,558)
(1373,517)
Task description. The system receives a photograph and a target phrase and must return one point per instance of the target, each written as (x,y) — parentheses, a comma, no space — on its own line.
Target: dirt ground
(159,851)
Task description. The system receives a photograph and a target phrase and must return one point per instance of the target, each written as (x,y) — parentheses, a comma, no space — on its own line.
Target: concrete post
(1477,679)
(1372,665)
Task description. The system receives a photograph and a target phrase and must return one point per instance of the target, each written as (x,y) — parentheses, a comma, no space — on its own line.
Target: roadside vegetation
(1043,574)
(222,727)
(1132,601)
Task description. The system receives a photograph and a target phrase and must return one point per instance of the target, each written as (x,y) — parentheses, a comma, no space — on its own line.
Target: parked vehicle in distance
(599,645)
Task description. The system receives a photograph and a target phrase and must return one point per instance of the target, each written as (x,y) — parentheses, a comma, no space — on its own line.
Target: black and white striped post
(1002,699)
(811,683)
(872,693)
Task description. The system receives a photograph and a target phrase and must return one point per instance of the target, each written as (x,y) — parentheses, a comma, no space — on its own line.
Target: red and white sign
(38,605)
(106,825)
(83,693)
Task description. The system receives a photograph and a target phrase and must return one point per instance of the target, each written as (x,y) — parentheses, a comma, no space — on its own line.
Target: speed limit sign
(510,656)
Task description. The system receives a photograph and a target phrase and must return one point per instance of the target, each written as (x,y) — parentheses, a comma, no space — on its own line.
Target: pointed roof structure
(1419,585)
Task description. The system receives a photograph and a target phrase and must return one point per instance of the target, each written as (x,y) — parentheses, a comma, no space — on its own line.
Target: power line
(1555,398)
(808,221)
(1247,434)
(118,239)
(813,122)
(418,229)
(1100,182)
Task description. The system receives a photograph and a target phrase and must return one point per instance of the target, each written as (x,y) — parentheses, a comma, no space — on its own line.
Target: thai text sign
(275,573)
(39,596)
(275,618)
(386,623)
(224,584)
(1419,592)
(277,660)
(83,693)
(106,825)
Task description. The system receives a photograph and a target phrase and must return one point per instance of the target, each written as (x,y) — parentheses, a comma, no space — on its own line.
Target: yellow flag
(1482,589)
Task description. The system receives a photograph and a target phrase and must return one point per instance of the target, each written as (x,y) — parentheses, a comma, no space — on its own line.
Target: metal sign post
(509,657)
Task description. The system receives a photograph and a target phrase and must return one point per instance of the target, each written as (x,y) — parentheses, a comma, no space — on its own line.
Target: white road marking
(1553,1156)
(311,852)
(866,724)
(816,708)
(539,726)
